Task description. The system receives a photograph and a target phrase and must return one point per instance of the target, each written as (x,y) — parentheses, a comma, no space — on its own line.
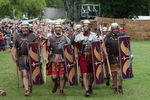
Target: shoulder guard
(79,37)
(93,37)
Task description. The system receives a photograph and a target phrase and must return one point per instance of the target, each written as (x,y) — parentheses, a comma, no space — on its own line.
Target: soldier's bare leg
(26,82)
(91,80)
(107,77)
(62,84)
(55,80)
(86,84)
(86,81)
(81,80)
(22,77)
(120,82)
(30,82)
(114,79)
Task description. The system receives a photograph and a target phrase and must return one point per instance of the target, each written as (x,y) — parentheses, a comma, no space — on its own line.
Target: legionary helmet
(78,26)
(58,25)
(86,22)
(104,29)
(25,24)
(114,26)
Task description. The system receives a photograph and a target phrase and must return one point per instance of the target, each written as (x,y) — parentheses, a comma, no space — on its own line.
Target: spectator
(2,41)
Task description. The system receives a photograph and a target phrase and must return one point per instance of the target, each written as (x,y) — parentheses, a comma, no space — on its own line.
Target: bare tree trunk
(73,9)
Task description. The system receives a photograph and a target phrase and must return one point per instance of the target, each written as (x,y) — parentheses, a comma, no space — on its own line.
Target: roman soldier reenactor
(78,29)
(83,55)
(21,45)
(111,42)
(2,41)
(104,32)
(56,66)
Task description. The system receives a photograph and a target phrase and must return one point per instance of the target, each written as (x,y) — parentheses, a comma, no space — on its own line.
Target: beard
(25,33)
(58,33)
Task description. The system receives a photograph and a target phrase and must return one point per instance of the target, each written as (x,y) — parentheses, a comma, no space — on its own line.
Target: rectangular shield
(70,64)
(97,61)
(35,64)
(125,57)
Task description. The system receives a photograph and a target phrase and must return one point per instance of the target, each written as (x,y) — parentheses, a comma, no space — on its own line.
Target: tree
(73,9)
(54,3)
(17,8)
(122,8)
(34,8)
(5,8)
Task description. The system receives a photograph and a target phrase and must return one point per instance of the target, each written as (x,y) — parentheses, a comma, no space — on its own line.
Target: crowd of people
(5,37)
(8,31)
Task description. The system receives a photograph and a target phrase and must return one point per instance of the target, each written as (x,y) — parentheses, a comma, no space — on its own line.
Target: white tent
(142,18)
(54,21)
(6,20)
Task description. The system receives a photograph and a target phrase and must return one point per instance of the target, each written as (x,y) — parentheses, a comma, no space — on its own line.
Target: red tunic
(85,59)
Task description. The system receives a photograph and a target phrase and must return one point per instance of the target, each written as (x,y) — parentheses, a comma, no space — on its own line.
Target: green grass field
(137,88)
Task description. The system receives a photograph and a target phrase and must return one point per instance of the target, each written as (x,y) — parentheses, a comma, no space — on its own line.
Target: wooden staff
(13,52)
(105,50)
(18,76)
(104,70)
(78,72)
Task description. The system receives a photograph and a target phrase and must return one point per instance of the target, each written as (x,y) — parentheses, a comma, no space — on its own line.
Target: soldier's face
(86,27)
(115,30)
(25,30)
(78,30)
(104,32)
(58,30)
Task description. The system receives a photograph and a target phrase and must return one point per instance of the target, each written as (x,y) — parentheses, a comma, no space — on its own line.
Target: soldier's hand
(17,63)
(76,56)
(45,60)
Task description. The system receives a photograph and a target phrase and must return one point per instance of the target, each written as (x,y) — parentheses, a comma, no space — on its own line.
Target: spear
(13,52)
(105,50)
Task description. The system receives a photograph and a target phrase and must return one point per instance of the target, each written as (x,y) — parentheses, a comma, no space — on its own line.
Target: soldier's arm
(76,52)
(105,45)
(104,49)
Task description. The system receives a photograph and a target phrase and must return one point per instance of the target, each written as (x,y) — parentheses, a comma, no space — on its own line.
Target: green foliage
(54,3)
(4,2)
(122,8)
(4,8)
(33,7)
